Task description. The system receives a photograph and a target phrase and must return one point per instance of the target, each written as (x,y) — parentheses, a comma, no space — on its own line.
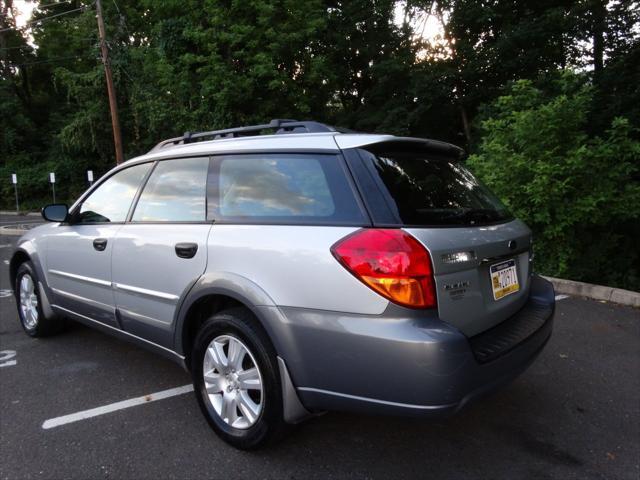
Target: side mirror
(56,212)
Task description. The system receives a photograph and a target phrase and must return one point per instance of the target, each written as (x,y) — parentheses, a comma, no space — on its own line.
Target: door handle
(186,249)
(100,244)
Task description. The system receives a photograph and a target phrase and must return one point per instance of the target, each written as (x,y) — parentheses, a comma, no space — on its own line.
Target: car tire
(242,405)
(29,304)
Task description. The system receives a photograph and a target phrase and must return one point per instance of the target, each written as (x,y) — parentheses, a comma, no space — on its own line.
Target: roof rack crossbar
(281,125)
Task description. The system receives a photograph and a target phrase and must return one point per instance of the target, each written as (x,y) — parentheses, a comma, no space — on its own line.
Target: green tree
(579,194)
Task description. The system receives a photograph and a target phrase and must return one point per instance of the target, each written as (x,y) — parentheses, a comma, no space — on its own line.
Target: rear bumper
(406,362)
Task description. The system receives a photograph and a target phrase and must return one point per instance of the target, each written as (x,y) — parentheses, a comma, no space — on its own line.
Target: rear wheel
(29,304)
(235,377)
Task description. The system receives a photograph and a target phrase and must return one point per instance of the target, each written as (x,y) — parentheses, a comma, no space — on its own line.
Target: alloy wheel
(28,302)
(233,382)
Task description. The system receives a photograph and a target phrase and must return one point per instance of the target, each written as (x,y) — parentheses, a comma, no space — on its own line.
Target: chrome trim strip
(144,291)
(82,278)
(117,330)
(105,306)
(374,400)
(509,255)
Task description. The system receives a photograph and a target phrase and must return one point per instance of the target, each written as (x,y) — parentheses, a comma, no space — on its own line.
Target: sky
(430,28)
(24,10)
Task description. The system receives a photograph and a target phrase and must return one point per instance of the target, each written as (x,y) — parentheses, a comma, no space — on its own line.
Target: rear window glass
(427,189)
(282,188)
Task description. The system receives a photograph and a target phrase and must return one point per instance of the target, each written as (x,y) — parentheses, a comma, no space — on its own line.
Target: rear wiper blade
(479,214)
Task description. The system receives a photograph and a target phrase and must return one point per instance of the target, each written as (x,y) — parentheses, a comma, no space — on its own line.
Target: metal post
(15,187)
(52,180)
(14,180)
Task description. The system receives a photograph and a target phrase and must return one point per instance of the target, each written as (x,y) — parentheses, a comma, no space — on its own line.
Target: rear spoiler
(378,143)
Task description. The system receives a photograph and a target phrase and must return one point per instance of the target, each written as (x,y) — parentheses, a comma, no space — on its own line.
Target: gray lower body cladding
(405,361)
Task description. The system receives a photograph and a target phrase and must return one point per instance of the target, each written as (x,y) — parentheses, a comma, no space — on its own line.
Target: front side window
(275,188)
(175,192)
(110,202)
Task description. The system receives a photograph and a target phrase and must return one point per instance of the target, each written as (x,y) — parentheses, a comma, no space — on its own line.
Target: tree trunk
(465,125)
(598,26)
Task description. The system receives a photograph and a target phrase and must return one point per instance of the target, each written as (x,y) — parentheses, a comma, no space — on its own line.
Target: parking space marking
(7,358)
(132,402)
(561,297)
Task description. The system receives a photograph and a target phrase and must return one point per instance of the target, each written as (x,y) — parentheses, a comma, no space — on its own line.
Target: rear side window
(175,192)
(282,188)
(425,189)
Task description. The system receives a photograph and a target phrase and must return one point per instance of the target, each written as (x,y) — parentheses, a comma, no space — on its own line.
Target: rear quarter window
(282,188)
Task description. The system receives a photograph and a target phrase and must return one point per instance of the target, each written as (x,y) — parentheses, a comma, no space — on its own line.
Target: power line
(53,4)
(51,60)
(35,47)
(43,19)
(16,48)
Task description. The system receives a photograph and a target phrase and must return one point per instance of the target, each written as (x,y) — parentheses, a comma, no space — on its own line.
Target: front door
(78,255)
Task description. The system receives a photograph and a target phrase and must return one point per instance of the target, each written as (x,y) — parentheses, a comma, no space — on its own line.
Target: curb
(596,292)
(12,232)
(21,214)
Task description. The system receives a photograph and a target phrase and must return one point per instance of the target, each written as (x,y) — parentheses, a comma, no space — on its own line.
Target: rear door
(161,252)
(480,253)
(79,254)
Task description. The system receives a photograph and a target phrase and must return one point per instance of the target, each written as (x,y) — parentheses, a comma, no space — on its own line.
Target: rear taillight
(392,263)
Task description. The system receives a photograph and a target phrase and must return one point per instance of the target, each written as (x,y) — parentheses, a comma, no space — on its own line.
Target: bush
(579,195)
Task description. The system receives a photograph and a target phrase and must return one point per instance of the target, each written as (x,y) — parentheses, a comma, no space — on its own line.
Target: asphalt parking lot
(574,414)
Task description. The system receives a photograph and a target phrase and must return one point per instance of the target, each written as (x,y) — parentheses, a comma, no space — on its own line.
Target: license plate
(504,279)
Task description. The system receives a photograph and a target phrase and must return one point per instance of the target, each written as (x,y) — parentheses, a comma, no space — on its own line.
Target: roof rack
(281,125)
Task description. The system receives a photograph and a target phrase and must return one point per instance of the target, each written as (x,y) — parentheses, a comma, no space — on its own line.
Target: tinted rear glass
(427,189)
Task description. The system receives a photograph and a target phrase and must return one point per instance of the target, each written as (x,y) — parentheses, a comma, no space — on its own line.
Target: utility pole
(113,106)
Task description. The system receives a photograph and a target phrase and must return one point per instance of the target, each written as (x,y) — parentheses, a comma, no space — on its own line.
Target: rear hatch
(480,253)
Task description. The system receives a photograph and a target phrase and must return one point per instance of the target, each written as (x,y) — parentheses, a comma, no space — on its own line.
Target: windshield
(427,189)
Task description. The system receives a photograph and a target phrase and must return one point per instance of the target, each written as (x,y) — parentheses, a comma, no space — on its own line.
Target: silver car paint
(293,264)
(78,275)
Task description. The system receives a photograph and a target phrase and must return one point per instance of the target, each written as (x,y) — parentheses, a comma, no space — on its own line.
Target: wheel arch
(18,258)
(214,293)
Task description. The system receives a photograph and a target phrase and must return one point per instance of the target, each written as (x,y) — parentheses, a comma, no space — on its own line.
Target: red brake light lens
(391,262)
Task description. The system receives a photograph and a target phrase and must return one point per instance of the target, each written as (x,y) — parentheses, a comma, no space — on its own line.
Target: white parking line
(561,297)
(7,358)
(132,402)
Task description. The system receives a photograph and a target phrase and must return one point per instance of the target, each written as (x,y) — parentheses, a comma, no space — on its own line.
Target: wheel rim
(28,302)
(233,382)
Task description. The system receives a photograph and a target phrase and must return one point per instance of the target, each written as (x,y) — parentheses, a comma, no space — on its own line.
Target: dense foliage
(571,189)
(560,148)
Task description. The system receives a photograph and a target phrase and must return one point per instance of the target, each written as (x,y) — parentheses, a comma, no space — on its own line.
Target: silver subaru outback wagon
(295,268)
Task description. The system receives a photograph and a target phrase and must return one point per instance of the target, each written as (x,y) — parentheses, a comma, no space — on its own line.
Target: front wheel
(235,377)
(30,312)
